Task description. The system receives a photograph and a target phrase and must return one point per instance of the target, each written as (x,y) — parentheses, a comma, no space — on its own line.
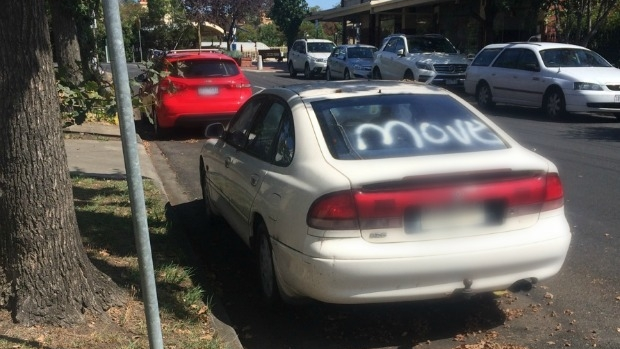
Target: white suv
(559,78)
(421,58)
(309,56)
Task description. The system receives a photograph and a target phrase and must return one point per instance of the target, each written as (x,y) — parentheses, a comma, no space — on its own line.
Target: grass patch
(104,216)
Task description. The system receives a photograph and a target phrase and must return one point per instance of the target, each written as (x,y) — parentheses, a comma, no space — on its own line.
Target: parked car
(381,191)
(558,78)
(191,89)
(421,58)
(350,61)
(309,56)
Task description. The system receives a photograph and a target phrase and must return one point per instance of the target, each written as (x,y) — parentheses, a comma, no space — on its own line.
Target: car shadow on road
(229,272)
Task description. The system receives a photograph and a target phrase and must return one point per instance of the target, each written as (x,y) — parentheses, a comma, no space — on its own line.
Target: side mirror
(141,78)
(400,52)
(215,130)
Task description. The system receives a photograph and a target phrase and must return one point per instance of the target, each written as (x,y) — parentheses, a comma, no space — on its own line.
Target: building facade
(468,24)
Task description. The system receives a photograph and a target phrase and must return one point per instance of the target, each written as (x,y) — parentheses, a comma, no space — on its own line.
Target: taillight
(335,211)
(171,86)
(382,209)
(554,192)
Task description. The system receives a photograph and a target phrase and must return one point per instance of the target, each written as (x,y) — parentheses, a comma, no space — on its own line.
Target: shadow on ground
(229,272)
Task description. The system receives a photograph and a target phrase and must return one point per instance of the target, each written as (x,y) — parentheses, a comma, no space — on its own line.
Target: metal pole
(132,167)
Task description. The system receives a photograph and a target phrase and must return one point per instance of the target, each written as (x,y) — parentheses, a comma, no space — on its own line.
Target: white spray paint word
(465,132)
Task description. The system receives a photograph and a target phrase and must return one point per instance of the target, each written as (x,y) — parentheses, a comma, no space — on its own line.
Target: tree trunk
(45,275)
(66,45)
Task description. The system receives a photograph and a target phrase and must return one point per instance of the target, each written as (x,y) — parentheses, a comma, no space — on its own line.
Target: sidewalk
(96,150)
(102,157)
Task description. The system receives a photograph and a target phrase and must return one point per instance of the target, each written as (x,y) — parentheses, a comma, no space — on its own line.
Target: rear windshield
(361,52)
(390,126)
(203,68)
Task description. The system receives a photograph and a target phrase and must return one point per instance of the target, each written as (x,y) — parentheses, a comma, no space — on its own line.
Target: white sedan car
(382,191)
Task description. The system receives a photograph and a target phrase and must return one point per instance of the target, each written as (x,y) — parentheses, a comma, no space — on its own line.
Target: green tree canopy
(288,16)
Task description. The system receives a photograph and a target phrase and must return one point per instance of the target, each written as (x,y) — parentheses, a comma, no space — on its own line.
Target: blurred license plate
(452,217)
(617,98)
(208,91)
(451,82)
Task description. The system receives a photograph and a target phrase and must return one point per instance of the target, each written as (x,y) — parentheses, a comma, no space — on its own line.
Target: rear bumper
(392,272)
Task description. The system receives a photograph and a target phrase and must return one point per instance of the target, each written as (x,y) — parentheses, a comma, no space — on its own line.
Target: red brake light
(171,86)
(554,192)
(335,211)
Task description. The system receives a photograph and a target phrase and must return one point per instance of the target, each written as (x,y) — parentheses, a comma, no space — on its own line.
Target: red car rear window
(203,68)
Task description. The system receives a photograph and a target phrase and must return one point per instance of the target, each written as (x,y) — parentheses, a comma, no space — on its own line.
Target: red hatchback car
(200,88)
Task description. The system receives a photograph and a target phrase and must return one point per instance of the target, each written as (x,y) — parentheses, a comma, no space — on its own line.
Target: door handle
(227,162)
(254,180)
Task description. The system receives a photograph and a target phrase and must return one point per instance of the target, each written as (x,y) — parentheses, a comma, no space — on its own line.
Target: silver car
(350,61)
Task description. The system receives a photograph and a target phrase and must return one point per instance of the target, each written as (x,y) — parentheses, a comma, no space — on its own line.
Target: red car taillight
(386,208)
(171,86)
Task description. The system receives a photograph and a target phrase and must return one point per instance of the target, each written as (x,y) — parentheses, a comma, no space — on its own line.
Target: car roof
(353,88)
(195,54)
(315,40)
(539,45)
(356,45)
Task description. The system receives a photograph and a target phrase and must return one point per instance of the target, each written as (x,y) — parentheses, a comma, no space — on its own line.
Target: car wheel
(291,70)
(307,72)
(347,75)
(210,215)
(484,98)
(328,74)
(160,133)
(554,104)
(267,275)
(409,76)
(376,74)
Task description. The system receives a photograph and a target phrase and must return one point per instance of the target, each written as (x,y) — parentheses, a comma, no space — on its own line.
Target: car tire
(328,74)
(160,133)
(291,70)
(266,270)
(554,104)
(376,74)
(210,215)
(307,72)
(484,97)
(409,76)
(347,75)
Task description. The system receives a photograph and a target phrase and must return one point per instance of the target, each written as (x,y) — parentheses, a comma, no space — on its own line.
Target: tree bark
(64,32)
(45,275)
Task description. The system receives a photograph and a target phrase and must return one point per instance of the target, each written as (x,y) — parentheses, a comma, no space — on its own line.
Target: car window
(486,56)
(401,125)
(285,144)
(361,52)
(203,68)
(528,61)
(239,126)
(430,44)
(393,44)
(507,59)
(571,57)
(320,47)
(262,135)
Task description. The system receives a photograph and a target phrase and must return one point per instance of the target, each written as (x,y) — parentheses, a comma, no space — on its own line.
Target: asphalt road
(578,308)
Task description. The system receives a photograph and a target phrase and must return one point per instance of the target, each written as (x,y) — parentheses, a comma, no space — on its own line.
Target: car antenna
(179,39)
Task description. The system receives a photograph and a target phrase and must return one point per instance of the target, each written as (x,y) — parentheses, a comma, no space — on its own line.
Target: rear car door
(246,168)
(389,58)
(501,75)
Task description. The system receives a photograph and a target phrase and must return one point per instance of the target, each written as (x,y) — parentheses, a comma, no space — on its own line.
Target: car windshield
(390,126)
(203,68)
(320,47)
(572,57)
(430,44)
(361,52)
